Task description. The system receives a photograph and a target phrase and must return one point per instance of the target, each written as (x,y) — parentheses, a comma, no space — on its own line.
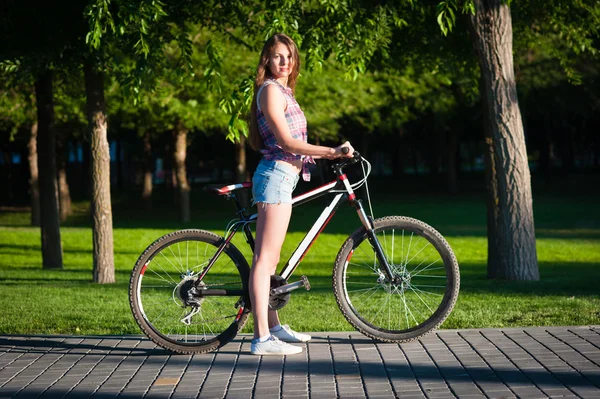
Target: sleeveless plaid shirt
(296,121)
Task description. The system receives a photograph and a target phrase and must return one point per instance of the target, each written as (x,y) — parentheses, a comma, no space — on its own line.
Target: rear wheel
(173,314)
(421,294)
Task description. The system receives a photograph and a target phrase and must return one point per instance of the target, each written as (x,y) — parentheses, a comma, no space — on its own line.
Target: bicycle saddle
(220,189)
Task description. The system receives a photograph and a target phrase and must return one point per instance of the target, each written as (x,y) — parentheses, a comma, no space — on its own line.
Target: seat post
(240,209)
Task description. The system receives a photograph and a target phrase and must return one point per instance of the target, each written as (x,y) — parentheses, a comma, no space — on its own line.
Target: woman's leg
(271,228)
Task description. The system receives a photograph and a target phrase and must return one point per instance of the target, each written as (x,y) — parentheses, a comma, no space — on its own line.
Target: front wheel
(417,300)
(180,307)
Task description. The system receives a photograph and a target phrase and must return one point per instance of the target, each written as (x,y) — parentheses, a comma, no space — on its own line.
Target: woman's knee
(266,262)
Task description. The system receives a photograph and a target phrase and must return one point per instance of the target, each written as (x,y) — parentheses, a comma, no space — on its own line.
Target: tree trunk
(64,195)
(241,171)
(182,182)
(34,188)
(46,142)
(147,170)
(511,236)
(104,265)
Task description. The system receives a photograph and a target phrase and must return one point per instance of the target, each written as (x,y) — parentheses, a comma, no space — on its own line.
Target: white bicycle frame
(345,191)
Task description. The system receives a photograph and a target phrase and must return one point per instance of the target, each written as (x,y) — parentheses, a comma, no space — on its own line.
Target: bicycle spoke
(171,283)
(366,291)
(176,259)
(424,303)
(163,255)
(391,260)
(418,252)
(155,261)
(427,268)
(365,266)
(374,289)
(414,288)
(408,250)
(157,286)
(385,300)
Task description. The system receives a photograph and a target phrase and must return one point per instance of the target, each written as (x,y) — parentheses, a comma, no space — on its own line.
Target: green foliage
(370,67)
(10,66)
(237,104)
(562,30)
(567,33)
(446,13)
(17,103)
(136,19)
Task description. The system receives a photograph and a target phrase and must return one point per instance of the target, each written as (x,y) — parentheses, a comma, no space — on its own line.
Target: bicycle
(395,278)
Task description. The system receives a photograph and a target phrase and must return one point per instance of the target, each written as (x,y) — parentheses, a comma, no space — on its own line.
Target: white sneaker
(286,334)
(273,347)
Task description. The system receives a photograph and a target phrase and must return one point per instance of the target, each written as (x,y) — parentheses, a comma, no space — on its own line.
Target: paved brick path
(553,362)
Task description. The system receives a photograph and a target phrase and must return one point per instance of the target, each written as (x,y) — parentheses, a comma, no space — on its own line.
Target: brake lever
(356,154)
(356,158)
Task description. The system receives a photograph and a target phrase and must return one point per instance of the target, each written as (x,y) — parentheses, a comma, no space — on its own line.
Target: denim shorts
(273,183)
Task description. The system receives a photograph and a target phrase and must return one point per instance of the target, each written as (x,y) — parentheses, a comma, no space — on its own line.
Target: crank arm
(284,289)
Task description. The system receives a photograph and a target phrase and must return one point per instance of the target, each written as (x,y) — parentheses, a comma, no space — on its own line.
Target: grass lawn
(36,301)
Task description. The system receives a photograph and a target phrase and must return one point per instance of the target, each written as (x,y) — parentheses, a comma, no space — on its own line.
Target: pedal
(305,282)
(284,289)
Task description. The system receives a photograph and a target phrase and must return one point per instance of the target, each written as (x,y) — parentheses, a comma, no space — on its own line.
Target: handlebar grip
(345,150)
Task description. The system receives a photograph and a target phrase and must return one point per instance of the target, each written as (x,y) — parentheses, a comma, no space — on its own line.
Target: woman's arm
(272,104)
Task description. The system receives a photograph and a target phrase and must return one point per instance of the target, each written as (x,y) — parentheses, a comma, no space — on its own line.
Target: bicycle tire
(399,312)
(155,292)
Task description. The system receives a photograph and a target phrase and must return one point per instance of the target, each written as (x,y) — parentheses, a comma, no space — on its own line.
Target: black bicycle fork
(367,222)
(369,225)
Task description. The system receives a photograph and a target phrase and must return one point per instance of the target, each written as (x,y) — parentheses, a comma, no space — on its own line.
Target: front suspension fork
(369,225)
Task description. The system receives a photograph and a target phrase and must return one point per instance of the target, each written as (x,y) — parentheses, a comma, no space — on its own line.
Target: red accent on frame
(239,314)
(144,269)
(312,191)
(343,177)
(227,189)
(351,197)
(314,239)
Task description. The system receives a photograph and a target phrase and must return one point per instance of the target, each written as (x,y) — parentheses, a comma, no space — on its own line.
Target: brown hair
(263,73)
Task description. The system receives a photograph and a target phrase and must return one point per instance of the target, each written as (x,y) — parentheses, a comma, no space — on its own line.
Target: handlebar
(348,161)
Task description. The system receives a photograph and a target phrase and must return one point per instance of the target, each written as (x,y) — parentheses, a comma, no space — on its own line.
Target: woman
(278,131)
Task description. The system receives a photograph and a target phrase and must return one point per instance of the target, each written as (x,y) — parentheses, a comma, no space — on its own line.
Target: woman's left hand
(340,154)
